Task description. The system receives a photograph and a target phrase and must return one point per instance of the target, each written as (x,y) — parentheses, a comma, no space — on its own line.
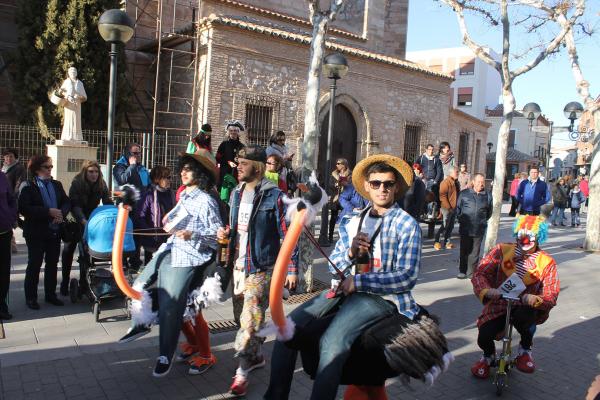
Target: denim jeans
(173,287)
(447,225)
(575,216)
(356,313)
(557,216)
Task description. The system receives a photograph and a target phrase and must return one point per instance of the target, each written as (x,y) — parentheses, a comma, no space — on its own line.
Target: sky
(550,84)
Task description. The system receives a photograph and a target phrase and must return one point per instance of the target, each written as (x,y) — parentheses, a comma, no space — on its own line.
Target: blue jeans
(173,287)
(575,216)
(356,313)
(557,216)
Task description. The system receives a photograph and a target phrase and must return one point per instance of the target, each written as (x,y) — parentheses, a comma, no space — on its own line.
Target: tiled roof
(511,155)
(285,17)
(300,36)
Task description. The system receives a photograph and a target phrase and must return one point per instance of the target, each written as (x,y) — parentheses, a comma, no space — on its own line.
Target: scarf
(48,196)
(6,167)
(445,159)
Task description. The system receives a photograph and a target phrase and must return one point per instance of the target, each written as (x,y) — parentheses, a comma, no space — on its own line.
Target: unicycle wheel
(500,383)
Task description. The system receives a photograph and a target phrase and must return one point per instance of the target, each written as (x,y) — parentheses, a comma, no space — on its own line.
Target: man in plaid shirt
(380,251)
(537,270)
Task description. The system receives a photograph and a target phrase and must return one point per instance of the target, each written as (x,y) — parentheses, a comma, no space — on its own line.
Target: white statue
(74,94)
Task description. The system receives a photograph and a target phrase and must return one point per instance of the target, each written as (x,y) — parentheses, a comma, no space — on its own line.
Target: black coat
(432,169)
(414,199)
(31,206)
(85,198)
(560,195)
(16,174)
(473,211)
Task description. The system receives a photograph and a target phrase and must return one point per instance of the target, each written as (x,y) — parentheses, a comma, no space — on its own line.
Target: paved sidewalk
(61,353)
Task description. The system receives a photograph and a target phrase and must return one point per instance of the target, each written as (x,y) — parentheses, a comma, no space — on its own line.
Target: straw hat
(205,158)
(405,171)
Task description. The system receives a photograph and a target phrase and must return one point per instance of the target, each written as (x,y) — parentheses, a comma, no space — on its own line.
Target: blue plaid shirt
(203,220)
(400,241)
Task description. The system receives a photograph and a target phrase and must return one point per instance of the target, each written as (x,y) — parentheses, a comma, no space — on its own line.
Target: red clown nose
(525,240)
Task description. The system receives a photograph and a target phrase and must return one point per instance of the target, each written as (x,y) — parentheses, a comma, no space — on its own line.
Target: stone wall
(382,98)
(476,130)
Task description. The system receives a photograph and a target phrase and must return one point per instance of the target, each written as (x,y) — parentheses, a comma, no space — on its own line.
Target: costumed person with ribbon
(369,327)
(257,227)
(227,154)
(180,262)
(538,272)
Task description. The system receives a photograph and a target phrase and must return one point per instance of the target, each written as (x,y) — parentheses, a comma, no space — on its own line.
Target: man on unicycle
(536,269)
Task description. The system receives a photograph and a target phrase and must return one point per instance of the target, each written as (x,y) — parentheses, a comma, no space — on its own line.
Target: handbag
(70,231)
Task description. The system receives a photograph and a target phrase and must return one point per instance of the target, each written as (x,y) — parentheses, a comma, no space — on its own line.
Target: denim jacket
(266,229)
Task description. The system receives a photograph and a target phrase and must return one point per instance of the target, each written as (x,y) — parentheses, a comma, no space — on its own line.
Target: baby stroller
(96,278)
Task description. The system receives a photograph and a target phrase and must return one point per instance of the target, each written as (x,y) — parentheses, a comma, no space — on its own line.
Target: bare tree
(592,232)
(320,21)
(488,9)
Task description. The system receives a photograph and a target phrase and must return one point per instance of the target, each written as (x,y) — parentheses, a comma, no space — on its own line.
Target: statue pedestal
(68,156)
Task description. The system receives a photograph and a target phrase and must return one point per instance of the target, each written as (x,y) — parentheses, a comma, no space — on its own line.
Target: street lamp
(531,111)
(336,67)
(573,111)
(115,27)
(490,145)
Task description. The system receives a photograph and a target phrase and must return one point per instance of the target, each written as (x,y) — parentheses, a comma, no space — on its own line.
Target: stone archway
(344,140)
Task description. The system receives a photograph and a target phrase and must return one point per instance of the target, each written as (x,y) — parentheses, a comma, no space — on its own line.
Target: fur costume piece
(142,311)
(208,294)
(313,200)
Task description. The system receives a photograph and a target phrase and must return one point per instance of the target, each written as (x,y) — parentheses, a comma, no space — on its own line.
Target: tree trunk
(508,99)
(311,105)
(592,231)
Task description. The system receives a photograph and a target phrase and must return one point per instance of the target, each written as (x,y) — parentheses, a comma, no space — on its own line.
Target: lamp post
(573,111)
(115,27)
(489,146)
(531,111)
(335,66)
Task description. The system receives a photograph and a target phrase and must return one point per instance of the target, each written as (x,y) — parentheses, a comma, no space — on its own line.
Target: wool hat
(205,158)
(404,170)
(253,152)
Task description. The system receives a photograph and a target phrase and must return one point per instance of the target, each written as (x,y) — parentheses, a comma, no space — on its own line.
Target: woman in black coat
(87,190)
(44,204)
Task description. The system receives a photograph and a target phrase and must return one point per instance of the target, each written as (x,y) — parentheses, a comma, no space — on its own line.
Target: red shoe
(239,387)
(481,369)
(525,363)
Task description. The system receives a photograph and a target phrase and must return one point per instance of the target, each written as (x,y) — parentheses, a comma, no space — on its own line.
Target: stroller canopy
(100,231)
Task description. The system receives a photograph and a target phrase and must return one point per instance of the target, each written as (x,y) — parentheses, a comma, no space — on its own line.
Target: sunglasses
(387,185)
(339,163)
(47,166)
(136,153)
(271,163)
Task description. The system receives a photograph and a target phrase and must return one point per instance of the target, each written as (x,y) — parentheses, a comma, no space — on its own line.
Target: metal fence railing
(29,140)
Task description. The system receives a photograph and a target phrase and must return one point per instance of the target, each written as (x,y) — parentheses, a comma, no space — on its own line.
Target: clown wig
(535,224)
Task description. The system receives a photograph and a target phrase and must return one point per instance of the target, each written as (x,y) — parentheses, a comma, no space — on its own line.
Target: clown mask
(526,240)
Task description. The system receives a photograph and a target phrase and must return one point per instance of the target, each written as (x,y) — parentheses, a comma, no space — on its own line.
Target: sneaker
(199,365)
(187,350)
(134,333)
(449,246)
(162,367)
(437,246)
(260,363)
(481,369)
(525,363)
(239,387)
(461,276)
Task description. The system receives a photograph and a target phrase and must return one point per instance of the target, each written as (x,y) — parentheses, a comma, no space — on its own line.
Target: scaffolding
(166,30)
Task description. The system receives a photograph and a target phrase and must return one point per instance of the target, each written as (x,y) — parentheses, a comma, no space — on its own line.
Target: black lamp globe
(115,26)
(335,66)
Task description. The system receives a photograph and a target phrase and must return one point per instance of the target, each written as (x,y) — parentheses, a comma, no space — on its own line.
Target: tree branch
(553,14)
(476,48)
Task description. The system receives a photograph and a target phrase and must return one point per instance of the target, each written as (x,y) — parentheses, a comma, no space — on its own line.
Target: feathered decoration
(313,199)
(128,194)
(271,329)
(206,295)
(531,224)
(141,310)
(418,349)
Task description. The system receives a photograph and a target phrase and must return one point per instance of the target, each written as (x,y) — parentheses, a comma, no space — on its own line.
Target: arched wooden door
(343,144)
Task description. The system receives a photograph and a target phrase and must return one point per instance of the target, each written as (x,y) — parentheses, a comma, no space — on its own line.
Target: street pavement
(61,353)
